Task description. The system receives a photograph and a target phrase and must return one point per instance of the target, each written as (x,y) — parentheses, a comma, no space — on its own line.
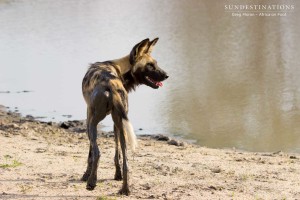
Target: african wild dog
(105,88)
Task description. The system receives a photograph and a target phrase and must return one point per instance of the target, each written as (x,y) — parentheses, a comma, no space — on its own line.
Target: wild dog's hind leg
(89,160)
(118,173)
(91,182)
(97,112)
(89,166)
(118,123)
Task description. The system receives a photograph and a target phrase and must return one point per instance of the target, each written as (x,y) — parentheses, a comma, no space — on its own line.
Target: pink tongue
(159,84)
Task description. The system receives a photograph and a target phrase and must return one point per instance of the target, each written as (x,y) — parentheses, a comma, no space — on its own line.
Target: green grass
(105,198)
(10,163)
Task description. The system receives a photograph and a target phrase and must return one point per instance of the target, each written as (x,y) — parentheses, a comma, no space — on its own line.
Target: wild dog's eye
(150,66)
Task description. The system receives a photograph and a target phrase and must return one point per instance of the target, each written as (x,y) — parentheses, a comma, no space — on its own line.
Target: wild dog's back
(98,75)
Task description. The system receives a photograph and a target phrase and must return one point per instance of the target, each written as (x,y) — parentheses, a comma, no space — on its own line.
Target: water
(233,80)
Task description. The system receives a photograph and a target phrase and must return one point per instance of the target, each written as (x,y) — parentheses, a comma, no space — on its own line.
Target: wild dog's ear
(151,45)
(138,50)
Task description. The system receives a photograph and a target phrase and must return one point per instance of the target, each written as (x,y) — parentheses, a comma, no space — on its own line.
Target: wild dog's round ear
(138,50)
(151,45)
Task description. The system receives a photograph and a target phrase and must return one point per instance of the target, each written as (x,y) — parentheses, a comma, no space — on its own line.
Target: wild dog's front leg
(118,173)
(91,182)
(125,189)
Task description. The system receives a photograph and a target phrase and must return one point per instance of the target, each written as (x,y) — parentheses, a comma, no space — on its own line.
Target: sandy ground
(41,161)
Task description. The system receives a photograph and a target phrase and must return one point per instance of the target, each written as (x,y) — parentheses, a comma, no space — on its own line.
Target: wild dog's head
(145,69)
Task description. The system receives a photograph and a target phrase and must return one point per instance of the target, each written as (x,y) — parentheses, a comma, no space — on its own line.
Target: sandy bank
(44,161)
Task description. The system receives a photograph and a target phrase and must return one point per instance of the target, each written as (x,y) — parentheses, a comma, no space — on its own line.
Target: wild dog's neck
(123,64)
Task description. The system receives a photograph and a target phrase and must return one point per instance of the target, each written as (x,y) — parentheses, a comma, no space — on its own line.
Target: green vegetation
(105,198)
(25,188)
(9,163)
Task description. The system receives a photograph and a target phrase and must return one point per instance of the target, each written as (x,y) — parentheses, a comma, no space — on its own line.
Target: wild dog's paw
(91,183)
(124,191)
(90,186)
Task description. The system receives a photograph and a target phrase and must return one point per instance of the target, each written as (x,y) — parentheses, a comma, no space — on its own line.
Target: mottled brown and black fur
(105,87)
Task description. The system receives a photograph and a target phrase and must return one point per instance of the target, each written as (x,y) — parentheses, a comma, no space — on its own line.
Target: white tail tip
(131,137)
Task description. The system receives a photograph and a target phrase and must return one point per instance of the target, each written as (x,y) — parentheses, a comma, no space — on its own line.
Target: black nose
(166,76)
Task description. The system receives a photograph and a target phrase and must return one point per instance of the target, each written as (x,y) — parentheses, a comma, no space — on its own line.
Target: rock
(176,143)
(182,144)
(65,125)
(79,130)
(173,142)
(29,117)
(161,138)
(238,159)
(216,170)
(293,157)
(50,123)
(146,186)
(212,187)
(34,138)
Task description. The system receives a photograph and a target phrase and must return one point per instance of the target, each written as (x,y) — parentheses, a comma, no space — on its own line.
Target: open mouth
(156,83)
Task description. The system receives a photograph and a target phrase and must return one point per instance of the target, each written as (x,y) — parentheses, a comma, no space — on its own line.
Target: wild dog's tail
(131,137)
(119,102)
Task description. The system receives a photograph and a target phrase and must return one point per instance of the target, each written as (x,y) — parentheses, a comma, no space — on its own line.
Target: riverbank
(46,160)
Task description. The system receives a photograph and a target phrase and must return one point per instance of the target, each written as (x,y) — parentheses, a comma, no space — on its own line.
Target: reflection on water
(233,81)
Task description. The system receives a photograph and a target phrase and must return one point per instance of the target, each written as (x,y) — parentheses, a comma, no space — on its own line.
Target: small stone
(174,142)
(162,138)
(212,187)
(182,144)
(293,157)
(146,186)
(65,125)
(216,170)
(29,117)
